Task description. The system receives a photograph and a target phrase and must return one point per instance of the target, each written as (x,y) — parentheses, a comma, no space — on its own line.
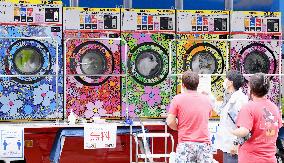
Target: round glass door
(148,64)
(204,62)
(255,62)
(94,60)
(257,57)
(28,57)
(204,58)
(28,61)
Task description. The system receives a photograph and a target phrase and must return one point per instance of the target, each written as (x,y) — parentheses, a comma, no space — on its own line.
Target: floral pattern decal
(188,48)
(240,50)
(33,97)
(89,96)
(151,96)
(148,97)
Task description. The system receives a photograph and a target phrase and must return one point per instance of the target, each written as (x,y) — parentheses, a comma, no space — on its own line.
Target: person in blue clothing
(19,144)
(234,99)
(5,144)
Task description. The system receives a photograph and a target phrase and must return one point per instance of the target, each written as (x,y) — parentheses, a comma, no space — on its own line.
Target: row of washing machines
(112,62)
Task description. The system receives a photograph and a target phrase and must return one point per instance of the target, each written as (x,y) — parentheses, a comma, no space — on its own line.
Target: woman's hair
(190,80)
(259,84)
(236,77)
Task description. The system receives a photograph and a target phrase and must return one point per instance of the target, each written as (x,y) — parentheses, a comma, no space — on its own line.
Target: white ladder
(147,155)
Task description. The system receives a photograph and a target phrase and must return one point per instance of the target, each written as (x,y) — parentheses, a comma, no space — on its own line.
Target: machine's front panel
(149,35)
(202,46)
(31,59)
(256,46)
(93,62)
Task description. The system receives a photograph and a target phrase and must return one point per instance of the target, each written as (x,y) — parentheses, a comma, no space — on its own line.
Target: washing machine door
(92,58)
(148,64)
(257,57)
(204,58)
(27,57)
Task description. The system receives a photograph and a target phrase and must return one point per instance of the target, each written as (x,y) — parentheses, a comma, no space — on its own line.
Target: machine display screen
(220,24)
(110,22)
(272,25)
(52,14)
(166,23)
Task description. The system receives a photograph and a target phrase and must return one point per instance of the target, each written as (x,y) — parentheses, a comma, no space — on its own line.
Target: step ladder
(147,154)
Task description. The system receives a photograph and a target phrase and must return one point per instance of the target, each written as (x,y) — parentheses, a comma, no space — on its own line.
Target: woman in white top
(234,99)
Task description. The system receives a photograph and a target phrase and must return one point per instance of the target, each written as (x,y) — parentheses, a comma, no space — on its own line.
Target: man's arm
(241,132)
(172,122)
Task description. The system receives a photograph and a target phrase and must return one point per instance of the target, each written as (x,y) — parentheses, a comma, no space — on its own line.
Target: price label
(99,136)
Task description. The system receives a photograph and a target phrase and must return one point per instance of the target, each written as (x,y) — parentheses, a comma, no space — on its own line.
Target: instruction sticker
(12,143)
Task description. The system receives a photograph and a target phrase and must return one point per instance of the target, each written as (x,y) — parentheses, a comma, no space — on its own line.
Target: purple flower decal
(131,110)
(151,95)
(94,110)
(76,107)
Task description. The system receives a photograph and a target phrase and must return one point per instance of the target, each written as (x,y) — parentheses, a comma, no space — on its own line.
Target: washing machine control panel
(256,22)
(91,19)
(31,13)
(148,20)
(202,21)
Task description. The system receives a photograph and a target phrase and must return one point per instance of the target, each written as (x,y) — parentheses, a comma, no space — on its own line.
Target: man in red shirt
(189,115)
(262,119)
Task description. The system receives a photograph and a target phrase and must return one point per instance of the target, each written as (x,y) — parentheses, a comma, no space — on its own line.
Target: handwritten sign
(99,136)
(11,143)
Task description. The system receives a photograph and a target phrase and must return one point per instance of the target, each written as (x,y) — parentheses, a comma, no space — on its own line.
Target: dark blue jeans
(228,158)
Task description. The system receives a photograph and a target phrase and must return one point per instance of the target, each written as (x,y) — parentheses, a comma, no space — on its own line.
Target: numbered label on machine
(99,136)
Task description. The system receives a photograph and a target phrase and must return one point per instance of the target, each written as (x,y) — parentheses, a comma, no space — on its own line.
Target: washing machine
(149,36)
(93,62)
(31,60)
(202,45)
(256,46)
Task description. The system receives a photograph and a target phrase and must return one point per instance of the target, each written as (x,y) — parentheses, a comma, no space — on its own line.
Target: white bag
(172,157)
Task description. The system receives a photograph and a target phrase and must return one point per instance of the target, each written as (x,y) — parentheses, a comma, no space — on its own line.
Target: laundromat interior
(69,68)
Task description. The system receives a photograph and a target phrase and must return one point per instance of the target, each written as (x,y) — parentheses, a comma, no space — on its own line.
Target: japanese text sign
(99,136)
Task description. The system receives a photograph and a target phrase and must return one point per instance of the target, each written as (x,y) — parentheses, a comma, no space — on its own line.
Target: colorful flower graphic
(76,107)
(89,113)
(151,95)
(43,95)
(131,110)
(95,110)
(11,104)
(28,109)
(110,42)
